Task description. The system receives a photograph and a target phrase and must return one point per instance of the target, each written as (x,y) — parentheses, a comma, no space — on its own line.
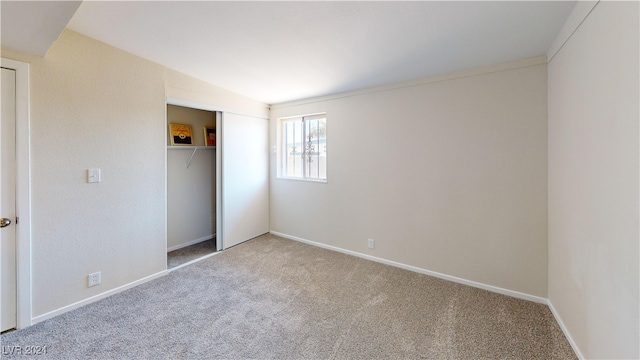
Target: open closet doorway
(191,184)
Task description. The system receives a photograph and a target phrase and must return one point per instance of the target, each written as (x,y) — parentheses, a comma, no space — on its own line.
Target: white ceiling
(280,51)
(33,26)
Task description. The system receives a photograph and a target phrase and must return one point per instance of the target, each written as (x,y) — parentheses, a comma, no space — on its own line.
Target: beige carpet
(189,253)
(272,298)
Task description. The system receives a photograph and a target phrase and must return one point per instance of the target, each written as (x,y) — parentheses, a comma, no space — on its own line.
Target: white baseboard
(573,344)
(95,298)
(475,284)
(192,242)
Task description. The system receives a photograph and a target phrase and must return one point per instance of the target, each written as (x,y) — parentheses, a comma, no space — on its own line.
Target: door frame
(219,141)
(23,193)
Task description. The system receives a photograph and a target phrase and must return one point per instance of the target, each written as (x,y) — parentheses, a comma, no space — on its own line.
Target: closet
(215,190)
(191,178)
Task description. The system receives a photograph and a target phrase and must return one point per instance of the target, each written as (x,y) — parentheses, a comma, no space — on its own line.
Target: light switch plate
(93,175)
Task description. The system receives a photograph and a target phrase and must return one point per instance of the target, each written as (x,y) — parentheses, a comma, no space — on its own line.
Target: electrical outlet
(371,243)
(94,279)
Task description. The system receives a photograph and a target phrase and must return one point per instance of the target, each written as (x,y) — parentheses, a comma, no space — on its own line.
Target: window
(304,144)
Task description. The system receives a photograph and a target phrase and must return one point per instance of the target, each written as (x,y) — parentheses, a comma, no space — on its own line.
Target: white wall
(446,174)
(593,183)
(94,106)
(191,192)
(191,92)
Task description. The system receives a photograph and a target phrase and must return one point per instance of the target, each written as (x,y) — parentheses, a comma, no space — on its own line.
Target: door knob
(4,222)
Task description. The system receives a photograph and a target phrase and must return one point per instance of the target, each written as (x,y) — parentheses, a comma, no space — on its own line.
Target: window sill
(321,181)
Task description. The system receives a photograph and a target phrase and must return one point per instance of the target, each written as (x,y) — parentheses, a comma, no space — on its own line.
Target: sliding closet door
(245,178)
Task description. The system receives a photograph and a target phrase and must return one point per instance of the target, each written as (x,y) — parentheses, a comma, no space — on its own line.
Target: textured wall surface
(94,106)
(448,176)
(593,182)
(209,97)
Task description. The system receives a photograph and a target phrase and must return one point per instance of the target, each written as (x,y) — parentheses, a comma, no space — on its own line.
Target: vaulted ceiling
(281,51)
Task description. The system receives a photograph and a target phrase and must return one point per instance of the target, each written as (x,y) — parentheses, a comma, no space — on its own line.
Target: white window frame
(281,173)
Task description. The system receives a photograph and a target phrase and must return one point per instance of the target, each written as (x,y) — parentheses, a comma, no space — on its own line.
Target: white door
(245,178)
(8,200)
